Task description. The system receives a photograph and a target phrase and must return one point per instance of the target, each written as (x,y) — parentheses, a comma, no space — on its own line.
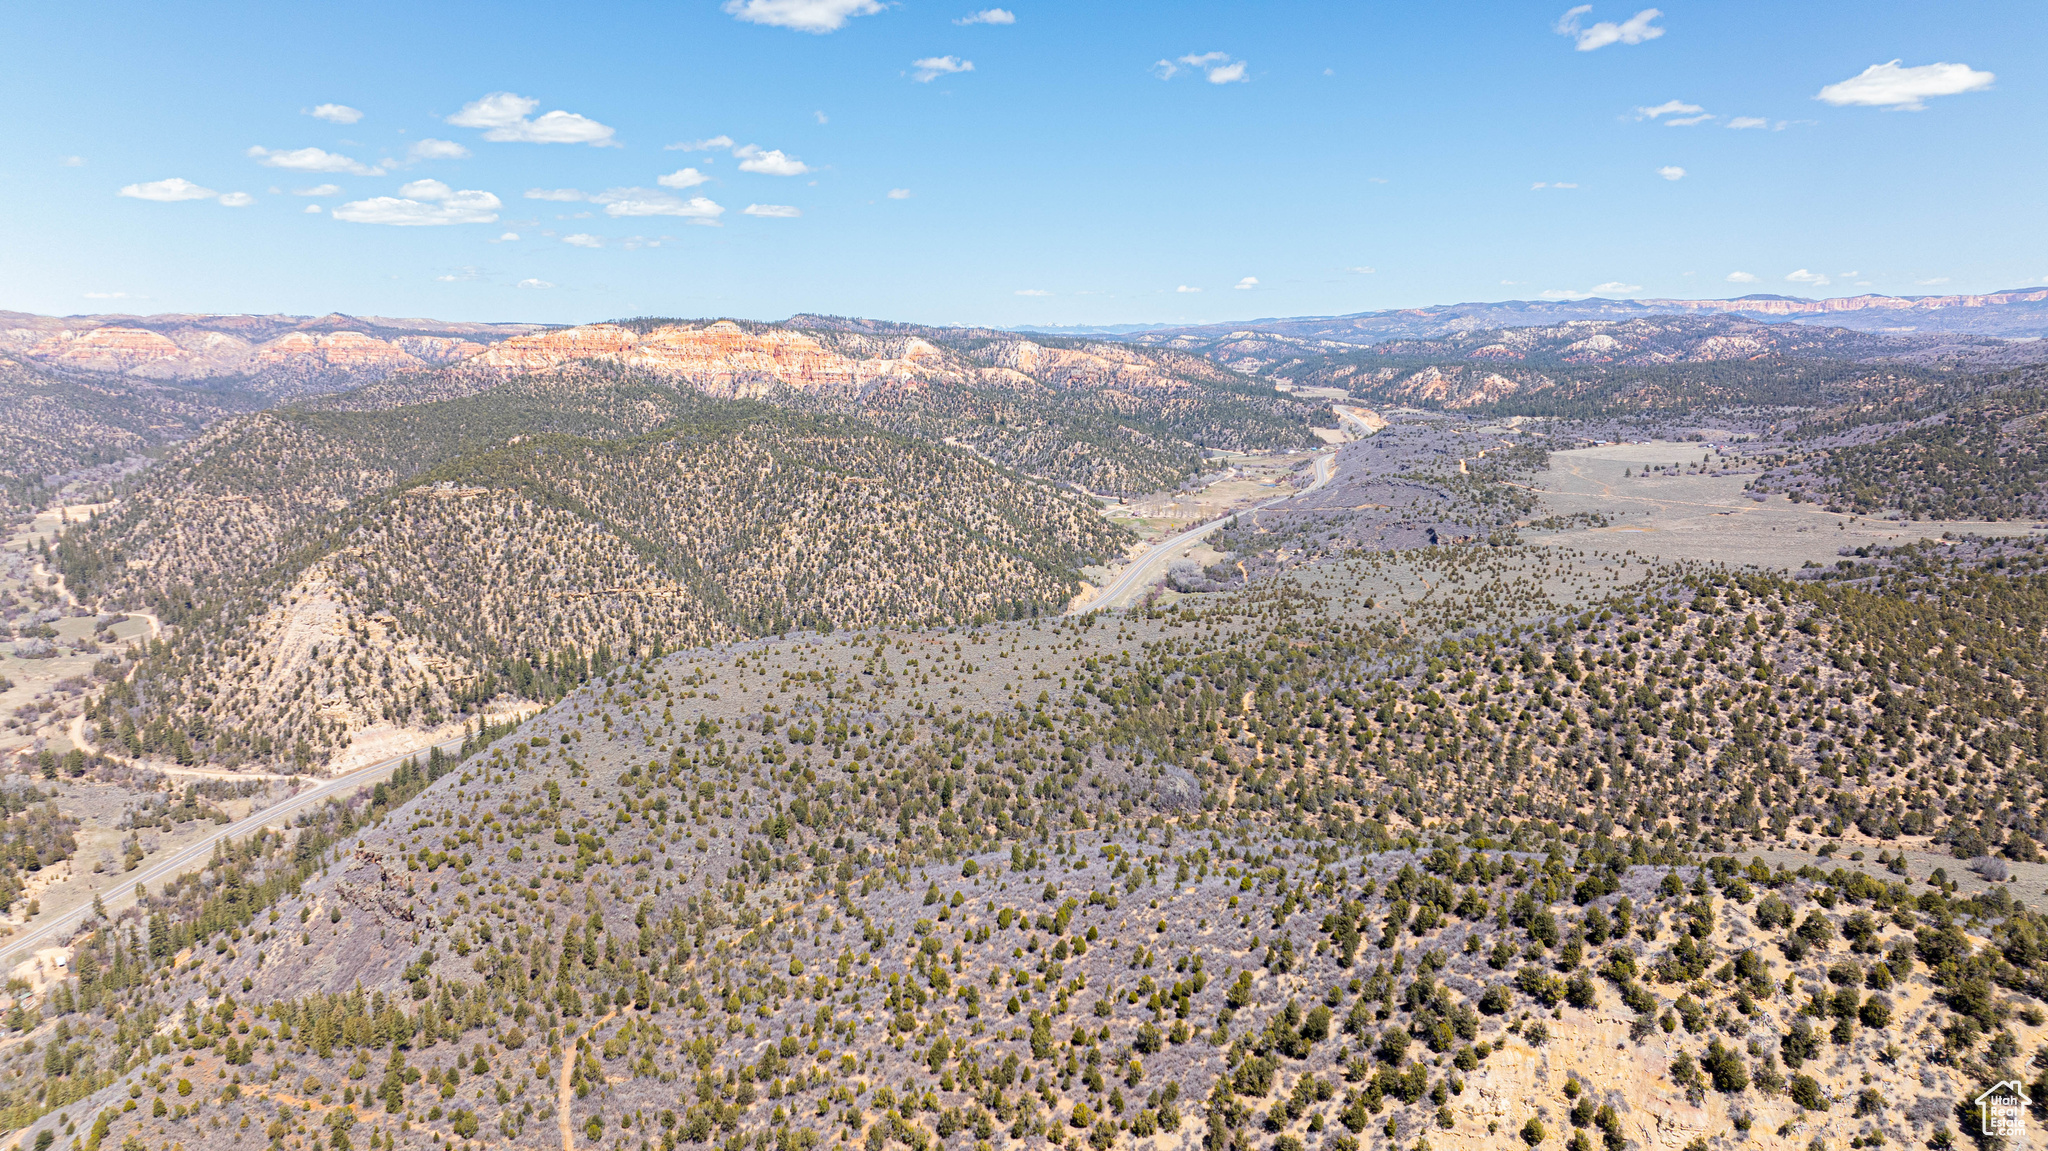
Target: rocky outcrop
(281,354)
(725,359)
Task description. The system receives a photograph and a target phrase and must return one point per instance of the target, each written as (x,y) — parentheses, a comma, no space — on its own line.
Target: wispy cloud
(584,240)
(1246,284)
(682,178)
(177,189)
(537,284)
(899,193)
(1032,292)
(1749,122)
(318,190)
(623,202)
(556,195)
(106,295)
(504,117)
(932,67)
(1360,271)
(1634,30)
(73,161)
(1566,184)
(1610,288)
(1218,67)
(818,16)
(1904,89)
(310,160)
(423,203)
(335,113)
(1671,172)
(1185,288)
(771,211)
(771,161)
(1682,114)
(432,149)
(1802,276)
(713,144)
(989,16)
(1741,277)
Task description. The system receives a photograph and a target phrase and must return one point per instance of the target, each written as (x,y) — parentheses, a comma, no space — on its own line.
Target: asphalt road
(1140,575)
(57,928)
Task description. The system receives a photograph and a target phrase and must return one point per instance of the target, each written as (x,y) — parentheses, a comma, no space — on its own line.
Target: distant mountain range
(2017,313)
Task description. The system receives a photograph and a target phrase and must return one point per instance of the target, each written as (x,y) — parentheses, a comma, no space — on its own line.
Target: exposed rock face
(1792,306)
(279,353)
(725,359)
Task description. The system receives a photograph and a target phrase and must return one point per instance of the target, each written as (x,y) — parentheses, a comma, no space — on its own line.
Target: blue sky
(1100,162)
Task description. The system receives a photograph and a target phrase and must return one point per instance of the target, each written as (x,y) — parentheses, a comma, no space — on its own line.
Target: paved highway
(57,928)
(1141,574)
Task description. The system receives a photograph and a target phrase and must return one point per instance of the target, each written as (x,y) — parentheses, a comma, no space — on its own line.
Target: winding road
(1141,573)
(60,925)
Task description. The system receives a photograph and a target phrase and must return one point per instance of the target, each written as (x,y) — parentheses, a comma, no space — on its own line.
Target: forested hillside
(328,571)
(1263,869)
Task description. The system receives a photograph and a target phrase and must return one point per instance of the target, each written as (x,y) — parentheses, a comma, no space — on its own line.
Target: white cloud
(1668,108)
(772,211)
(623,202)
(310,160)
(1689,121)
(1749,122)
(771,162)
(1246,284)
(899,193)
(1563,294)
(503,116)
(817,16)
(506,238)
(1032,292)
(1890,86)
(459,276)
(238,199)
(168,191)
(584,240)
(335,113)
(1617,288)
(535,284)
(432,149)
(73,161)
(1217,66)
(423,203)
(932,67)
(317,190)
(1633,30)
(1552,184)
(313,209)
(106,295)
(989,16)
(712,144)
(1923,283)
(1185,288)
(556,195)
(1360,271)
(1671,172)
(1741,278)
(682,178)
(1802,276)
(821,117)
